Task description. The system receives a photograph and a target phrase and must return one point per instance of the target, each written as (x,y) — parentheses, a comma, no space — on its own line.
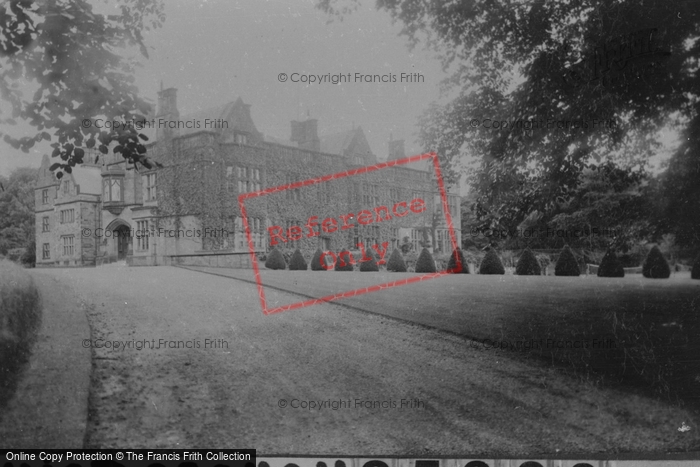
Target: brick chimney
(305,134)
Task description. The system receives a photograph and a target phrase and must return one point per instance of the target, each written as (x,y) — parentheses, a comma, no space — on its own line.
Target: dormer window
(66,187)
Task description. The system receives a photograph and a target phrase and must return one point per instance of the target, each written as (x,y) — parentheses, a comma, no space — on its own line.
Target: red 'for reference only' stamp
(306,213)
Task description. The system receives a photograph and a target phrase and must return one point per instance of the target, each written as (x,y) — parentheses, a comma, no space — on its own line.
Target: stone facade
(187,211)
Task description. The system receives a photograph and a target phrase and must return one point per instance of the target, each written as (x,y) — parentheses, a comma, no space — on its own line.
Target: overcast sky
(214,51)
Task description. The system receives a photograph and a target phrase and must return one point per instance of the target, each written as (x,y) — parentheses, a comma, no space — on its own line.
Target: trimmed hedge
(275,260)
(567,264)
(298,263)
(452,263)
(527,264)
(610,266)
(655,265)
(371,265)
(396,262)
(425,262)
(346,259)
(695,273)
(316,264)
(491,264)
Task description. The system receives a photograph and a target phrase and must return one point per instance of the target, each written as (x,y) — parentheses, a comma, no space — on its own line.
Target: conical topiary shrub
(610,266)
(491,264)
(655,266)
(345,259)
(695,273)
(317,264)
(275,260)
(371,265)
(297,263)
(396,262)
(452,263)
(425,262)
(567,264)
(528,264)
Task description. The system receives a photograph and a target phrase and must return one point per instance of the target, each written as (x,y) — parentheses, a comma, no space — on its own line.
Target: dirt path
(456,399)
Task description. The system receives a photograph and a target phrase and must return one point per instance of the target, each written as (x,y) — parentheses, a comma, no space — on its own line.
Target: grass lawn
(633,330)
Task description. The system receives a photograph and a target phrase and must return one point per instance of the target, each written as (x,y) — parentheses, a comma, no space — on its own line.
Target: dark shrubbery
(491,264)
(316,264)
(275,260)
(371,265)
(396,262)
(527,264)
(345,259)
(567,264)
(298,263)
(655,266)
(695,273)
(610,266)
(425,262)
(452,263)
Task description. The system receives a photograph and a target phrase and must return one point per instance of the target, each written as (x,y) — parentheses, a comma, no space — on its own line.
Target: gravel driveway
(380,386)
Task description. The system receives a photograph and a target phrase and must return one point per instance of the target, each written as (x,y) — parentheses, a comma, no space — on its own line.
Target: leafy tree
(17,209)
(655,265)
(452,263)
(610,266)
(567,265)
(298,263)
(316,264)
(491,264)
(425,262)
(396,262)
(538,65)
(527,264)
(74,61)
(275,260)
(345,261)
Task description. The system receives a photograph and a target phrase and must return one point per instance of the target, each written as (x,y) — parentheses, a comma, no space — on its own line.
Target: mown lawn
(637,331)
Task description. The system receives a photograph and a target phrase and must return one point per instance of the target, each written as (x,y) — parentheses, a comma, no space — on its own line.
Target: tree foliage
(527,264)
(610,266)
(371,265)
(316,264)
(345,261)
(17,209)
(452,263)
(567,265)
(695,272)
(491,264)
(572,85)
(297,262)
(425,262)
(63,65)
(655,265)
(396,262)
(275,260)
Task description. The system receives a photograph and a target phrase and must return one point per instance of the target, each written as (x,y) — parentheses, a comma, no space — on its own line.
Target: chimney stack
(305,134)
(167,110)
(396,150)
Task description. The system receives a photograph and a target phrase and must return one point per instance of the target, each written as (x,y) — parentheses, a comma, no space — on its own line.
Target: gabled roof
(338,143)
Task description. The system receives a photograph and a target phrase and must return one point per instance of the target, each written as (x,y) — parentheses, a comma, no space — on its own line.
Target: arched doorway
(121,235)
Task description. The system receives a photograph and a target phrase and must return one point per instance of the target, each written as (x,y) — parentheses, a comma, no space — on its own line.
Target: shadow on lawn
(651,343)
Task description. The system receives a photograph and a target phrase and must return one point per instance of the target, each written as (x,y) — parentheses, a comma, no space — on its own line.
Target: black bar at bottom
(127,457)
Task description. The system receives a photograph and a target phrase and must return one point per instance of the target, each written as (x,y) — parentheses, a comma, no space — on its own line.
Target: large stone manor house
(188,211)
